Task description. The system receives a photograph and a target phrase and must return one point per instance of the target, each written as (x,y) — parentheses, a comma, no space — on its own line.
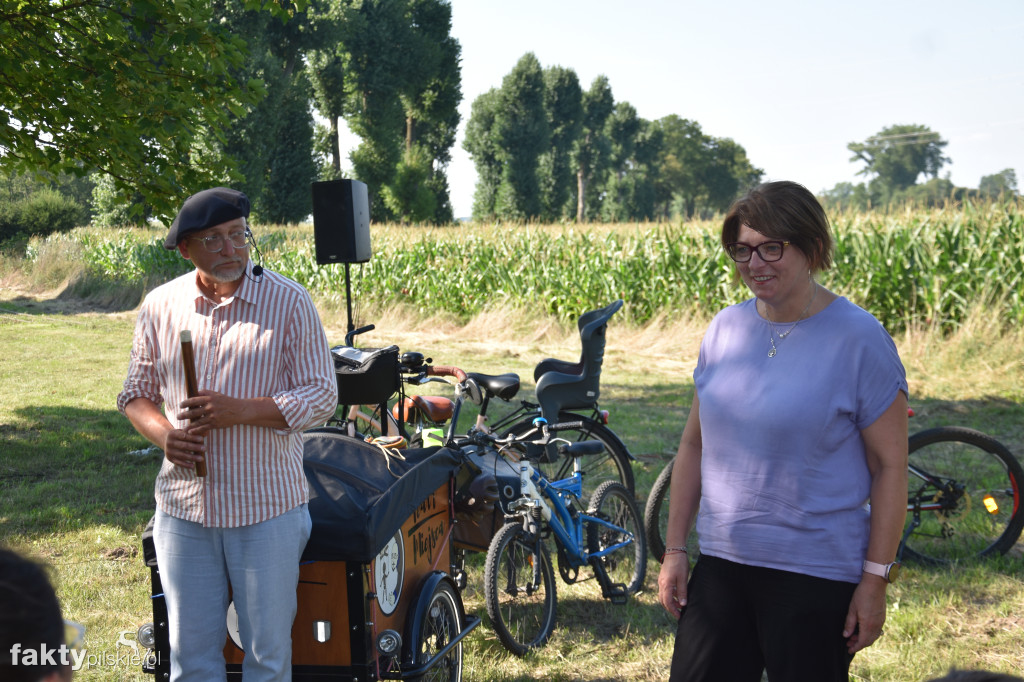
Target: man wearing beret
(264,374)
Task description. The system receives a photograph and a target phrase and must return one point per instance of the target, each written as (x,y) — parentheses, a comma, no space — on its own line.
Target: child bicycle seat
(565,385)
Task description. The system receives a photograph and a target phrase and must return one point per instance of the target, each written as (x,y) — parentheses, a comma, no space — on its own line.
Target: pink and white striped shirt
(266,340)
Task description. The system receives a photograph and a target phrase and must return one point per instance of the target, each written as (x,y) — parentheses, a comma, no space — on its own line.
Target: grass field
(76,481)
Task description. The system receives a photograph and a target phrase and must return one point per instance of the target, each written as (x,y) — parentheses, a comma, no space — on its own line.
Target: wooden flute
(188,359)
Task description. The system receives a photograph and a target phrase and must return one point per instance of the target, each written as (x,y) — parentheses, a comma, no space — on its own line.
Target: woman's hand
(866,615)
(675,570)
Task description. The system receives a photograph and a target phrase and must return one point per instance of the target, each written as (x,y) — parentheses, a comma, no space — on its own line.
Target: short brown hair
(787,211)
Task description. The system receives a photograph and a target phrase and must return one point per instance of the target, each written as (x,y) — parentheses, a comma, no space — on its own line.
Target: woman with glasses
(792,463)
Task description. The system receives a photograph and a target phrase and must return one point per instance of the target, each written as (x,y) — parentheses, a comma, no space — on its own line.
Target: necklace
(782,335)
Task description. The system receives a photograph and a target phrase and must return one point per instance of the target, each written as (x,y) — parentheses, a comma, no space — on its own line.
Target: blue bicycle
(519,585)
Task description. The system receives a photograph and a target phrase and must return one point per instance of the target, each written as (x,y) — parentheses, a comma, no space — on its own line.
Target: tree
(591,151)
(484,148)
(680,164)
(431,99)
(899,154)
(628,191)
(521,128)
(845,196)
(139,82)
(327,67)
(700,172)
(727,174)
(563,106)
(271,142)
(409,197)
(1003,183)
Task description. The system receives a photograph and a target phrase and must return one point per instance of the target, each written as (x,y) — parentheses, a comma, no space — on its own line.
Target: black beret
(206,209)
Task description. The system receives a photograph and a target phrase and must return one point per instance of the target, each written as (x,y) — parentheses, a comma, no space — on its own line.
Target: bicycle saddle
(504,386)
(435,408)
(565,385)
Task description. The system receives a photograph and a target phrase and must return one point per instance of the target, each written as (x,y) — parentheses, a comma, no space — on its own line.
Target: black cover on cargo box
(355,502)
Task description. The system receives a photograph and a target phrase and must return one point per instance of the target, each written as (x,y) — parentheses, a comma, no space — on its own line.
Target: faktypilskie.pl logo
(127,653)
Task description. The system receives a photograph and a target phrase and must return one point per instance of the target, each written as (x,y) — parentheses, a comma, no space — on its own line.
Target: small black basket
(366,376)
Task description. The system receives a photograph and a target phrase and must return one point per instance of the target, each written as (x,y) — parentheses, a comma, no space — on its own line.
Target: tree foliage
(391,70)
(521,128)
(563,106)
(589,157)
(123,88)
(486,152)
(592,147)
(999,184)
(271,142)
(896,156)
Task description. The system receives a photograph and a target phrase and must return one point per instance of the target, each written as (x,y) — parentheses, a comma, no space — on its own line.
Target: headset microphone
(257,269)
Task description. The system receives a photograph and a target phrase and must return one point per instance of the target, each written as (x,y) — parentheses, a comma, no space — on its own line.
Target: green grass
(73,492)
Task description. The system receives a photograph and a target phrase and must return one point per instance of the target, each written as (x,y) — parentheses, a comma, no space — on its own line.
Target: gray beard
(228,276)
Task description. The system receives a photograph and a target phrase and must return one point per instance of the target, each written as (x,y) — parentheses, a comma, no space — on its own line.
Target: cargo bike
(377,595)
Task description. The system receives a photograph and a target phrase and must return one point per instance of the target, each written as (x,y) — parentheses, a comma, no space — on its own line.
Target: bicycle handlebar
(446,371)
(355,332)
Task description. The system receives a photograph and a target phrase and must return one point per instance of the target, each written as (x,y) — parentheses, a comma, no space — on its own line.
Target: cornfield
(911,268)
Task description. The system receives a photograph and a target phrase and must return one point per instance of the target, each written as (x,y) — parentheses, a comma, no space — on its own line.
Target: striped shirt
(266,340)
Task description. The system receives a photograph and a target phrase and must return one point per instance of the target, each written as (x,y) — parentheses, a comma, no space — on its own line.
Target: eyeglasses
(215,242)
(768,251)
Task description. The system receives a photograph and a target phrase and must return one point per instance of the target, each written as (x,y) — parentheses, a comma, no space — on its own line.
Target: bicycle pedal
(616,593)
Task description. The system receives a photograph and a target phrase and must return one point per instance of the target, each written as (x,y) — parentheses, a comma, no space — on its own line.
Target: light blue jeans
(260,563)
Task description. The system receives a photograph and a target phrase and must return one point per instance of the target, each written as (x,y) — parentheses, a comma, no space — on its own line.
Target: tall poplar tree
(592,148)
(521,126)
(563,105)
(483,146)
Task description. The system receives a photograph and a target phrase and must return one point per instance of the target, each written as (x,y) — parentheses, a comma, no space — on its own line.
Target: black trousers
(742,620)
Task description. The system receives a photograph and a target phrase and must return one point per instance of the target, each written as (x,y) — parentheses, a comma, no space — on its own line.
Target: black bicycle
(567,392)
(963,499)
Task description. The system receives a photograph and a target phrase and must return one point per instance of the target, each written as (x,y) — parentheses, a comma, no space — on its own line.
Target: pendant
(771,353)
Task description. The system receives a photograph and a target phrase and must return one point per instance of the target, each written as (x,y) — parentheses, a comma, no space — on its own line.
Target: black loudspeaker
(341,222)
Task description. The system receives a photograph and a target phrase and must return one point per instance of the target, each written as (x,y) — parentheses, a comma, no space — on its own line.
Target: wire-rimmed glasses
(215,242)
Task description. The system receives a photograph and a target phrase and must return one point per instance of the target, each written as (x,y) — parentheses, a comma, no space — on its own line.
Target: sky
(791,81)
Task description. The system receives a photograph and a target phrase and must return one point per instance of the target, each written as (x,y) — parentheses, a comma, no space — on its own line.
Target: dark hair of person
(786,211)
(29,615)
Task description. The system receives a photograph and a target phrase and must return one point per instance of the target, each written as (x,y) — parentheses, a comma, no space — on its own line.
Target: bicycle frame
(517,415)
(567,526)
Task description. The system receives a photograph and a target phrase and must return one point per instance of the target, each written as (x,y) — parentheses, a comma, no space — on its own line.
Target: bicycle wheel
(611,465)
(964,493)
(656,512)
(626,565)
(441,624)
(519,589)
(656,517)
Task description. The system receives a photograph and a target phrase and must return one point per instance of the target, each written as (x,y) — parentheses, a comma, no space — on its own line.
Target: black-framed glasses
(215,242)
(769,251)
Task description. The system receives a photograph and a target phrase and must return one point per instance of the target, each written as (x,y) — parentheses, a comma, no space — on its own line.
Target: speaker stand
(348,297)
